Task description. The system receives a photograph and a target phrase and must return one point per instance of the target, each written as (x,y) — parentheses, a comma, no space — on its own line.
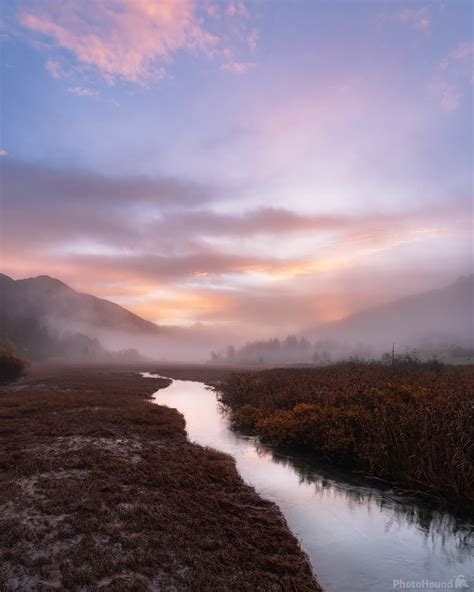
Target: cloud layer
(133,40)
(256,163)
(166,235)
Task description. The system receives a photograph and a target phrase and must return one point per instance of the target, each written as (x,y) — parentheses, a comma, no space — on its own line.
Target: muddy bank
(101,490)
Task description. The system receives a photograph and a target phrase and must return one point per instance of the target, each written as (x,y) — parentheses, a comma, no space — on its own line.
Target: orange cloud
(175,307)
(121,38)
(195,263)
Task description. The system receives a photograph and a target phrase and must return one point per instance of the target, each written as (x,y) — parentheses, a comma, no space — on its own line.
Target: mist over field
(45,319)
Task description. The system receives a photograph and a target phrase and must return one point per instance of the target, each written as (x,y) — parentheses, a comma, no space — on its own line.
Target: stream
(359,538)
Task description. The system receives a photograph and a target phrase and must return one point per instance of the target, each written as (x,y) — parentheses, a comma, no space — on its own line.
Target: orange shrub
(11,367)
(247,416)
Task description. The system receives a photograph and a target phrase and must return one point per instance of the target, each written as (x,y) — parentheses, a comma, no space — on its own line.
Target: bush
(247,416)
(11,367)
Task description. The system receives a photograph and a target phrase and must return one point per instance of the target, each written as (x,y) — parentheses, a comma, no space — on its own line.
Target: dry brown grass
(101,490)
(411,424)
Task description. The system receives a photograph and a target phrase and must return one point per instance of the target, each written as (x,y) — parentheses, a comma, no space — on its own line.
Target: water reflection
(446,531)
(360,538)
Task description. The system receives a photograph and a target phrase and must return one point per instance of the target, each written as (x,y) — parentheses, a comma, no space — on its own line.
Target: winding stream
(359,538)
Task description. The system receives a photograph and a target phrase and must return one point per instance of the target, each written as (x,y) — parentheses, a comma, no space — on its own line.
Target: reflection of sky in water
(359,539)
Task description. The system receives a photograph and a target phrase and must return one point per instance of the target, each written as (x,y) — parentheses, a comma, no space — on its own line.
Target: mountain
(51,301)
(42,317)
(442,315)
(435,323)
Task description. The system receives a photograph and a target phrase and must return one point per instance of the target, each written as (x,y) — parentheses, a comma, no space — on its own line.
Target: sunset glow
(223,162)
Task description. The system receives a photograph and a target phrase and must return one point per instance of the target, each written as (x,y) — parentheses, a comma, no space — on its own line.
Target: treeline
(298,350)
(28,338)
(291,350)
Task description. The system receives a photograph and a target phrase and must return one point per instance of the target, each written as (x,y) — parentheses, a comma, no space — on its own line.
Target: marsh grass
(101,490)
(408,423)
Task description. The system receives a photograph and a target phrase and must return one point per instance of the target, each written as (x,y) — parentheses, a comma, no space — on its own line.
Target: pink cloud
(463,51)
(448,95)
(94,238)
(252,39)
(454,72)
(121,38)
(236,8)
(238,67)
(82,91)
(418,19)
(54,68)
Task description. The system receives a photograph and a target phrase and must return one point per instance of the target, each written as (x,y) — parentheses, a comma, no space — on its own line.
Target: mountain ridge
(52,301)
(43,313)
(441,311)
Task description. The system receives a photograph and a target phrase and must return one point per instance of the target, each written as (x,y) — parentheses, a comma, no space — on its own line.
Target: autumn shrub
(410,423)
(11,367)
(247,416)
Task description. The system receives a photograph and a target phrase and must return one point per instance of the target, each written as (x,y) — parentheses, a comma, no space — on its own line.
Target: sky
(262,165)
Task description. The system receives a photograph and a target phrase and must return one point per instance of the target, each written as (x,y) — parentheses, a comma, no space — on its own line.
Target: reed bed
(409,423)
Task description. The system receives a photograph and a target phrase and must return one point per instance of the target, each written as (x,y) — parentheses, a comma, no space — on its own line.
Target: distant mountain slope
(442,314)
(43,318)
(53,303)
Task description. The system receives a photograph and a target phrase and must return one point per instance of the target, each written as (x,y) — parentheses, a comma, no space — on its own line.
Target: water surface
(359,538)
